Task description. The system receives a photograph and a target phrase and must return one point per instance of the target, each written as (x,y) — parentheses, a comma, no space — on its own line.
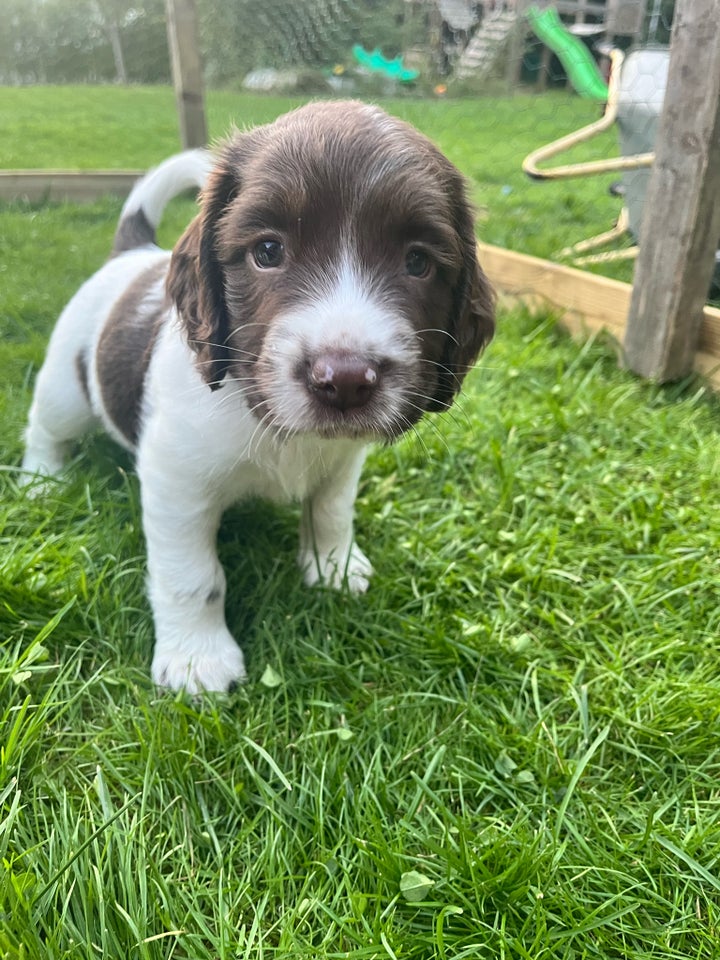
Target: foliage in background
(71,41)
(66,41)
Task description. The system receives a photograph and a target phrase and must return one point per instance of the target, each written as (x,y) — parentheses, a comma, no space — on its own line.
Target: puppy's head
(332,272)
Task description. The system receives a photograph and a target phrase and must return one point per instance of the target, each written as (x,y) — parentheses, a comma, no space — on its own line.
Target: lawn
(520,720)
(111,127)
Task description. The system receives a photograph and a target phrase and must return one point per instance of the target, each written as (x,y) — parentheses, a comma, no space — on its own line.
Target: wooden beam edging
(65,185)
(585,302)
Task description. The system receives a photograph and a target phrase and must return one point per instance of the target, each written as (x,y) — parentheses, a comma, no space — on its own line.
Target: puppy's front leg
(328,552)
(194,649)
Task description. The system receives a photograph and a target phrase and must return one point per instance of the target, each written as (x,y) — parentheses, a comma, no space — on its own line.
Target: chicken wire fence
(91,41)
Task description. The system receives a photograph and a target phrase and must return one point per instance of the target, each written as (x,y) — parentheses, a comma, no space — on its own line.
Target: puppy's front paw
(201,665)
(354,573)
(39,482)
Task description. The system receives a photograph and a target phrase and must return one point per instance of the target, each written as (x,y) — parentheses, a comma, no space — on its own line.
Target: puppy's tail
(148,198)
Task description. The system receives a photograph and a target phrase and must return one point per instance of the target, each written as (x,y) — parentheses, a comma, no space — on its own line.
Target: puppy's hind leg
(60,413)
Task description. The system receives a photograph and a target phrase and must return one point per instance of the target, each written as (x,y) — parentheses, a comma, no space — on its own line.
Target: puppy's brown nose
(342,381)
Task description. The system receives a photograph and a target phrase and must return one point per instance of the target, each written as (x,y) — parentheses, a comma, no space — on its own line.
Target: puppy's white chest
(283,471)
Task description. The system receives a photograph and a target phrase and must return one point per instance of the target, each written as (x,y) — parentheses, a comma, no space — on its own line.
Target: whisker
(455,375)
(260,427)
(445,333)
(224,346)
(450,412)
(428,424)
(413,431)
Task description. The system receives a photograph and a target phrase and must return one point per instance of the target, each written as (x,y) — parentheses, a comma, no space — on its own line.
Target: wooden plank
(581,8)
(543,69)
(516,48)
(681,226)
(626,18)
(584,302)
(709,340)
(77,186)
(184,42)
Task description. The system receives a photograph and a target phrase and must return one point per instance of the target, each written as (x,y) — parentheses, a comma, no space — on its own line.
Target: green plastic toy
(377,63)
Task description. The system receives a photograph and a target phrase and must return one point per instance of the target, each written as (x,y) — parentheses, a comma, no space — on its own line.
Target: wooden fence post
(516,47)
(681,222)
(184,42)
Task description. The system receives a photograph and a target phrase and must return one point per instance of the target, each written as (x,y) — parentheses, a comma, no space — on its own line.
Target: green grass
(105,127)
(524,709)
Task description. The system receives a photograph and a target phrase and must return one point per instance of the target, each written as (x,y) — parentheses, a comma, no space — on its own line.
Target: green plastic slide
(580,67)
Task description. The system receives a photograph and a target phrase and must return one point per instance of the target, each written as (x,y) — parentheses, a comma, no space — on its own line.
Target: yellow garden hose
(530,163)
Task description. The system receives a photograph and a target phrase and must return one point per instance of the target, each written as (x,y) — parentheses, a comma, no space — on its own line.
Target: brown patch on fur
(82,373)
(125,348)
(196,281)
(133,231)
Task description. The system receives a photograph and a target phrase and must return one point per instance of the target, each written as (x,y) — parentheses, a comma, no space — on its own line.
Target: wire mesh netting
(61,41)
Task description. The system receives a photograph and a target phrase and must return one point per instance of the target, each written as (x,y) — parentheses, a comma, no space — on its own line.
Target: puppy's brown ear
(196,281)
(472,320)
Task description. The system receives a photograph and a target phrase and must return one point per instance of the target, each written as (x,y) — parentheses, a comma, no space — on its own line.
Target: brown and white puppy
(326,296)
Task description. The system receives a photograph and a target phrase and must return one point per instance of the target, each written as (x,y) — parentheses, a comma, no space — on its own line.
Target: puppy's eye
(268,254)
(417,263)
